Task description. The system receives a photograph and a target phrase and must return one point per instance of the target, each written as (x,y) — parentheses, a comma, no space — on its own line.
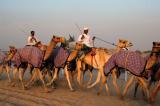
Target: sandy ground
(62,96)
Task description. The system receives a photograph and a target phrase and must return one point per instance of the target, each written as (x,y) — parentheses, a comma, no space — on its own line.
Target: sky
(135,20)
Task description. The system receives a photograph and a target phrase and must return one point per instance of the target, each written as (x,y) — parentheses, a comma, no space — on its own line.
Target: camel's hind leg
(129,82)
(97,80)
(155,92)
(90,77)
(144,86)
(114,80)
(21,74)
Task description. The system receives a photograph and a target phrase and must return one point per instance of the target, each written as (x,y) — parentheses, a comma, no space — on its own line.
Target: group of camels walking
(47,60)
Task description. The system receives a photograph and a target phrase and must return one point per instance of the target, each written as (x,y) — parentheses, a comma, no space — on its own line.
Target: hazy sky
(135,20)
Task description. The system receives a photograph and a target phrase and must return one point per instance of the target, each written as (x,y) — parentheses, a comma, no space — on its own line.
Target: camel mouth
(130,44)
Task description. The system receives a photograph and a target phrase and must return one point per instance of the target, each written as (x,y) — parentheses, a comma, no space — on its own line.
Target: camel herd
(51,58)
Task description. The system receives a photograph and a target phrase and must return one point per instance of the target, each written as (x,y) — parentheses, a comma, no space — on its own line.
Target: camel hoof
(46,90)
(49,84)
(72,90)
(13,84)
(151,100)
(88,87)
(122,97)
(98,93)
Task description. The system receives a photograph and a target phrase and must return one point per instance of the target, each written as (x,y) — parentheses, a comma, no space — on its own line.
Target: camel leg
(31,80)
(155,92)
(68,78)
(21,74)
(55,76)
(7,71)
(104,79)
(90,78)
(129,82)
(49,76)
(144,86)
(41,78)
(73,73)
(97,80)
(79,67)
(114,81)
(1,69)
(136,88)
(15,70)
(125,75)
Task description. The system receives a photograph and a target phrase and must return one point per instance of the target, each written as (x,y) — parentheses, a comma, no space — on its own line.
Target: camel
(4,65)
(152,69)
(98,61)
(34,56)
(69,65)
(49,63)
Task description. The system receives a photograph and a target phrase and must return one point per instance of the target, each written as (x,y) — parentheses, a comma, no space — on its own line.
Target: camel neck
(49,50)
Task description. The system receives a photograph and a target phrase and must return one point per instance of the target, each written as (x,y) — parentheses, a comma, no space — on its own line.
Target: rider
(32,40)
(87,41)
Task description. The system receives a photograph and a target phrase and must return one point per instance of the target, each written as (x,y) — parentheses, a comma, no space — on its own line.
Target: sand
(62,96)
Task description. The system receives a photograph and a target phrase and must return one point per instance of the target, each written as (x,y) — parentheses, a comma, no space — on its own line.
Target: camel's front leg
(15,70)
(144,86)
(155,92)
(68,78)
(55,76)
(114,80)
(7,71)
(21,74)
(79,70)
(31,80)
(129,82)
(104,79)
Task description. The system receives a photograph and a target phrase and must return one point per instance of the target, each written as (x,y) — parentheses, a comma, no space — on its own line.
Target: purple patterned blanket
(61,57)
(29,54)
(132,61)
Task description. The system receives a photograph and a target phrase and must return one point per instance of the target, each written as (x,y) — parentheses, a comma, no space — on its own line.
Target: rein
(113,44)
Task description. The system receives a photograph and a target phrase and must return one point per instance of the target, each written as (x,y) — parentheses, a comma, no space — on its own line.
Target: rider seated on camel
(32,39)
(87,41)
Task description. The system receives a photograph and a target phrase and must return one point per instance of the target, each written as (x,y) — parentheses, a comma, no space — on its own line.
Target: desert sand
(62,96)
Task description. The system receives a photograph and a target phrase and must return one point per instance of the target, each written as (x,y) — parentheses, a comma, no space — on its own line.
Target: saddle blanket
(29,54)
(132,61)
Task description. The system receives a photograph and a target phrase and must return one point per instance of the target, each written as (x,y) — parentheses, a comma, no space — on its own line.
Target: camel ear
(120,40)
(53,36)
(154,43)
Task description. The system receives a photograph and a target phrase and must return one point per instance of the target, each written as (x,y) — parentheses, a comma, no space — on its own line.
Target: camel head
(79,46)
(11,53)
(156,47)
(124,43)
(57,39)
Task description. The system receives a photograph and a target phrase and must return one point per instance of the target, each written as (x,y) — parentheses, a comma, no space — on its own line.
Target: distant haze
(135,20)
